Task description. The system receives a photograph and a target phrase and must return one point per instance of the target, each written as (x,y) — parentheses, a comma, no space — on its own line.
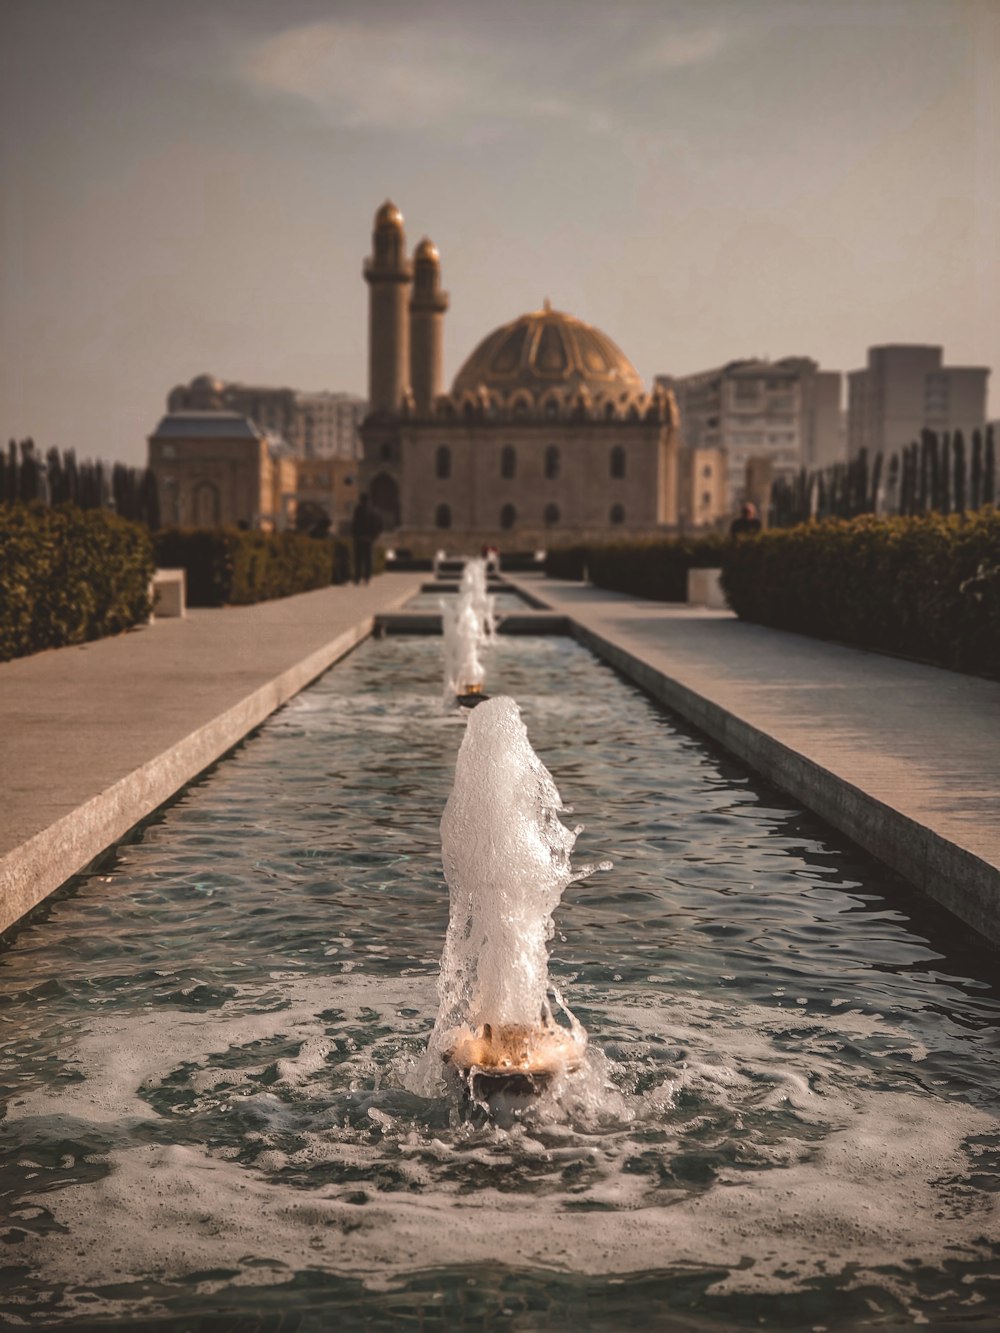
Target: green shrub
(927,587)
(235,567)
(654,569)
(68,575)
(566,562)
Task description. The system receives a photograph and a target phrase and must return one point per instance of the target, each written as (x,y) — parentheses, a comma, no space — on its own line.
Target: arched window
(442,516)
(508,515)
(618,461)
(551,462)
(617,514)
(551,515)
(706,499)
(442,463)
(508,462)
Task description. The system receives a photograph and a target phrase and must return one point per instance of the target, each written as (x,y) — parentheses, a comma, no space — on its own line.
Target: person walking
(747,524)
(365,528)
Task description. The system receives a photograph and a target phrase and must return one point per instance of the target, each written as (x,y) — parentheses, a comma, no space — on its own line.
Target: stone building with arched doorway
(547,435)
(219,467)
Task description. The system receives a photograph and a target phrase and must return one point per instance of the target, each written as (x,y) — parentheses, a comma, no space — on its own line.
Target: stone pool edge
(33,871)
(958,879)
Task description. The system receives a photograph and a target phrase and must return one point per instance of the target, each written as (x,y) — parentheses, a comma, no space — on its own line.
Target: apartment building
(786,411)
(906,388)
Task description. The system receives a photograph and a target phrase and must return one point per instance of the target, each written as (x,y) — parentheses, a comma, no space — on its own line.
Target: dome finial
(547,306)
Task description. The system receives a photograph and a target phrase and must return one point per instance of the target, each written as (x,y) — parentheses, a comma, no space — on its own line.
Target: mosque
(547,436)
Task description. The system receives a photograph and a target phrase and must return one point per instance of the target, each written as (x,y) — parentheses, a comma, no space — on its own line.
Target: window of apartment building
(782,402)
(746,391)
(508,462)
(442,516)
(707,470)
(617,514)
(552,462)
(706,499)
(508,516)
(442,463)
(618,461)
(551,515)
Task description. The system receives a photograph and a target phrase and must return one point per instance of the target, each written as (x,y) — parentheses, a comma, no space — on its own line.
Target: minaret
(388,275)
(427,306)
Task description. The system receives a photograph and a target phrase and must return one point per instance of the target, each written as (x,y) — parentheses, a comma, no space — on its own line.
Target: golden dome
(427,250)
(388,216)
(544,349)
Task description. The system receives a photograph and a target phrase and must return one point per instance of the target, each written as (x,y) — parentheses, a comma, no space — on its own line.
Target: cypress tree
(72,475)
(28,479)
(976,478)
(958,475)
(923,479)
(873,501)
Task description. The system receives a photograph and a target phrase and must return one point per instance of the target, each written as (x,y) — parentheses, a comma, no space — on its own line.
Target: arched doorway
(384,496)
(205,503)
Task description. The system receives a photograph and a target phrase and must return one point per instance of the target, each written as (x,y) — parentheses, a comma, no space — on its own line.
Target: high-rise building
(313,425)
(904,389)
(787,411)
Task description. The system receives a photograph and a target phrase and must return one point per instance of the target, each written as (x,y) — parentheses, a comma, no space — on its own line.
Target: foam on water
(818,1172)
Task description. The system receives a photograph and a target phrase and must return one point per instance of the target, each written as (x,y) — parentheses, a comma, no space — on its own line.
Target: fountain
(507,862)
(474,587)
(467,625)
(787,1115)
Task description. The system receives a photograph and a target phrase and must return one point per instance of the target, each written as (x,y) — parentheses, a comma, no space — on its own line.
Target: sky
(189,187)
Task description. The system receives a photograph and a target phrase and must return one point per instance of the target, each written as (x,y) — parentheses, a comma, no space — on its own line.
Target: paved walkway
(93,738)
(902,757)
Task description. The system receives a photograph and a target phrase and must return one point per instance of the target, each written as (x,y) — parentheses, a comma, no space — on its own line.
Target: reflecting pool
(207,1050)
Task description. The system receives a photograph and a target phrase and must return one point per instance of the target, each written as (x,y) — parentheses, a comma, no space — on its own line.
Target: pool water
(431,601)
(207,1050)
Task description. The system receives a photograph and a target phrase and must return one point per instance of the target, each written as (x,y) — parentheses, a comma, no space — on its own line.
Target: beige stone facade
(216,468)
(547,436)
(327,487)
(704,488)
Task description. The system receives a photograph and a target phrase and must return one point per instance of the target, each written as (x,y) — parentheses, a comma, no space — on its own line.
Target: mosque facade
(547,435)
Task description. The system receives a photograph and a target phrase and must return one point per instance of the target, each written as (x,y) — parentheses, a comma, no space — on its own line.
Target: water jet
(507,862)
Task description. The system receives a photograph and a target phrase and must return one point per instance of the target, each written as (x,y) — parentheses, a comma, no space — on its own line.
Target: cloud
(419,75)
(361,77)
(681,50)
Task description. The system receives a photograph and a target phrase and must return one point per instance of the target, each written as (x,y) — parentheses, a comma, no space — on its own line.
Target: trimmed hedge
(236,567)
(654,569)
(926,587)
(68,575)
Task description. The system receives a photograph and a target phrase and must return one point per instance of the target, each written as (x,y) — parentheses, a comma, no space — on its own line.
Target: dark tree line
(936,474)
(58,478)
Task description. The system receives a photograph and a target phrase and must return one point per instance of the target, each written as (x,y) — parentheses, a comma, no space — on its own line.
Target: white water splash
(507,861)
